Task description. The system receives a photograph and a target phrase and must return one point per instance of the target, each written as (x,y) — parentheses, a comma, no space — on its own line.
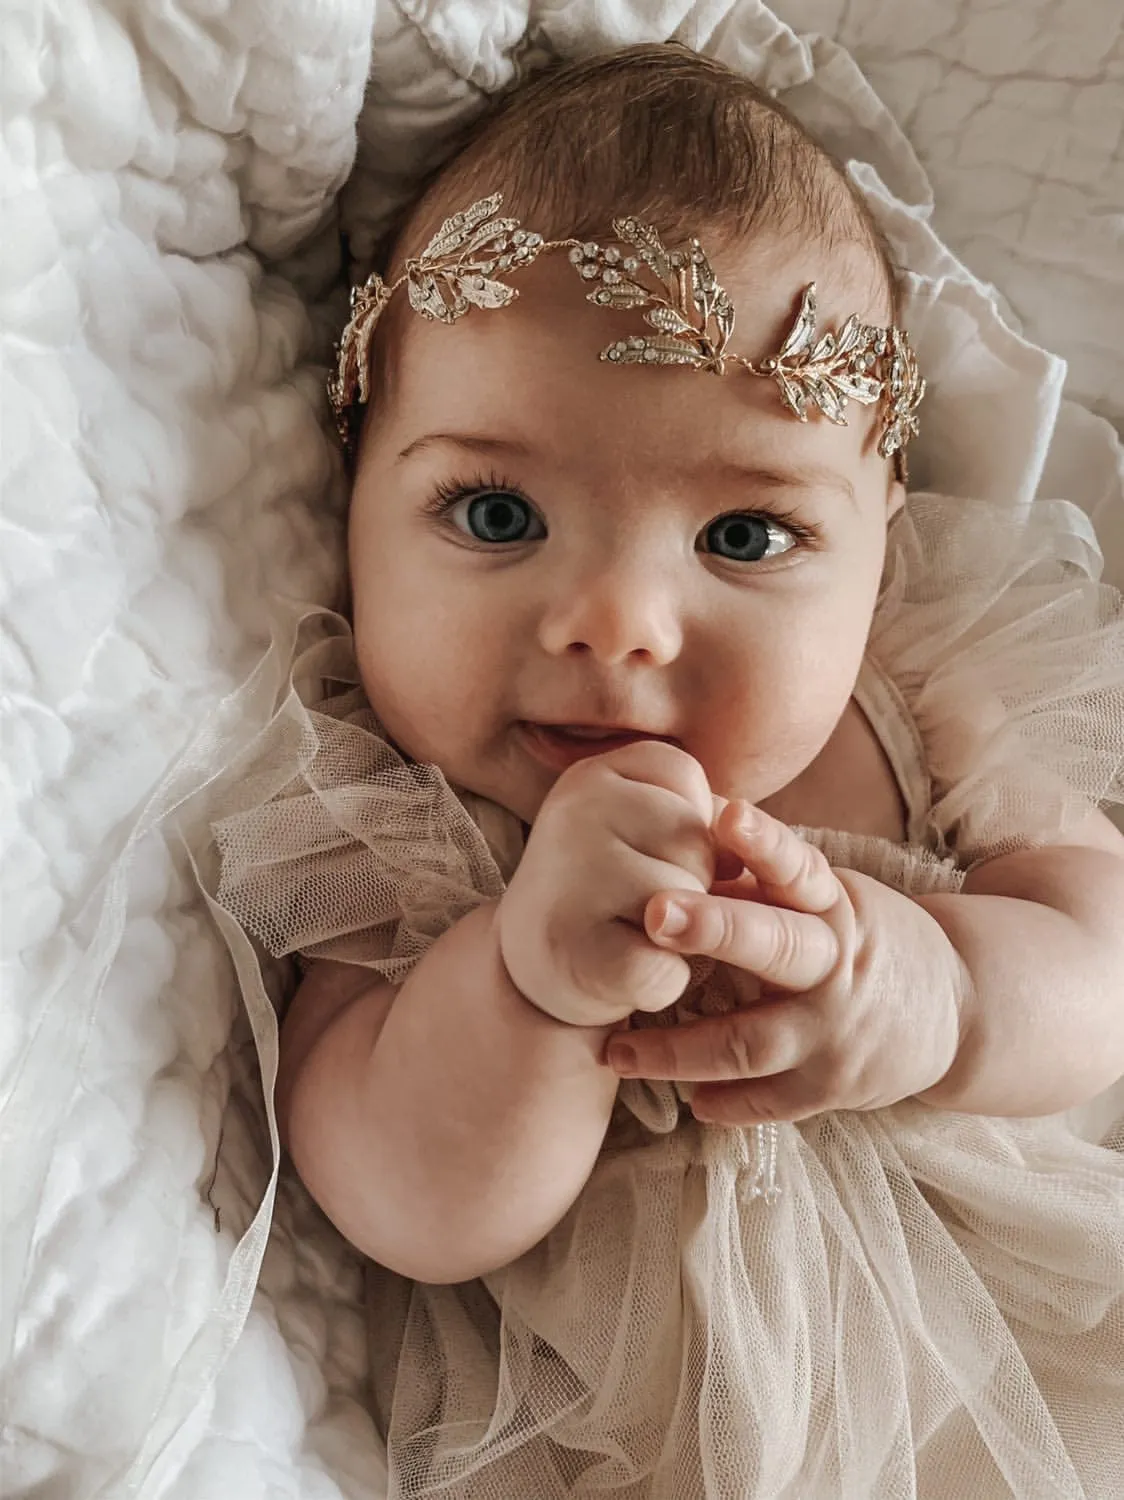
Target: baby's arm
(446,1126)
(1003,999)
(1041,936)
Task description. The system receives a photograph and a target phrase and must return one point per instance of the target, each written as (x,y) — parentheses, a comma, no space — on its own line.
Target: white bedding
(170,282)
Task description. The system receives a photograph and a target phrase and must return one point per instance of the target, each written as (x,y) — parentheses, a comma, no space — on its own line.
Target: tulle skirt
(931,1305)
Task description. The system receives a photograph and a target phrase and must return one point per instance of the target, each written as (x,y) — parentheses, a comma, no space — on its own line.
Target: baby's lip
(561,745)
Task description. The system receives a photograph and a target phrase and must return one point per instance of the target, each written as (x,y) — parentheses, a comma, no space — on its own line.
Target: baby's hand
(614,831)
(860,990)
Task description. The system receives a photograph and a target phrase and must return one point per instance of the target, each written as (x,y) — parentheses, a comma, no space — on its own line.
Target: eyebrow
(807,476)
(472,441)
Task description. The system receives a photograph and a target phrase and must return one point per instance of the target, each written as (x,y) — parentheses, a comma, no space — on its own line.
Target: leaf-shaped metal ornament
(456,231)
(445,295)
(454,271)
(657,351)
(647,243)
(435,294)
(827,372)
(793,396)
(849,335)
(828,398)
(625,295)
(710,299)
(668,320)
(492,236)
(692,314)
(351,382)
(802,331)
(705,290)
(722,311)
(905,390)
(614,276)
(856,387)
(824,350)
(481,291)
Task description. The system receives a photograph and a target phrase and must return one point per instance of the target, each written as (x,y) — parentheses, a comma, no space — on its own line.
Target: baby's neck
(850,786)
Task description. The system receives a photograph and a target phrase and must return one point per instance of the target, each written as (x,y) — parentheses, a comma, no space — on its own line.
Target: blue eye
(497,516)
(743,537)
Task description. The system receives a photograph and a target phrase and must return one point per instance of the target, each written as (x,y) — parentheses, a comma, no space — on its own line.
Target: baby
(683,750)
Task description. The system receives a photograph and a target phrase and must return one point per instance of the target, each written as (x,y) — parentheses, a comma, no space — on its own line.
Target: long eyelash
(449,492)
(805,532)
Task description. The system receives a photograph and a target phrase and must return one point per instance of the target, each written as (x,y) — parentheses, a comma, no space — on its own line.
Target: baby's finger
(773,1037)
(788,871)
(791,949)
(727,866)
(757,1101)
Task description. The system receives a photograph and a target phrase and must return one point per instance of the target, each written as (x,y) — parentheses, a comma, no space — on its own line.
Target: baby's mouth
(560,745)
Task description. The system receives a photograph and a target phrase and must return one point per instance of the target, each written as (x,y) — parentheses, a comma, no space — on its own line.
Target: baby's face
(549,552)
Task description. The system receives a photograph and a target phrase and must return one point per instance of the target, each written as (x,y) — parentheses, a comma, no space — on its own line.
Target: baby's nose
(617,614)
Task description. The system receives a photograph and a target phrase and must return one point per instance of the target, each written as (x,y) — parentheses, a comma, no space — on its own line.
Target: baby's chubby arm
(1040,934)
(447,1125)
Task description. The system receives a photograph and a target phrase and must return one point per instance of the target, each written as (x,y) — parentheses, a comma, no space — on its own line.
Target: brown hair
(657,131)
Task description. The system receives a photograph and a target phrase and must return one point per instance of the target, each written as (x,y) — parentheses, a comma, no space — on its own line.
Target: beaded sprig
(691,316)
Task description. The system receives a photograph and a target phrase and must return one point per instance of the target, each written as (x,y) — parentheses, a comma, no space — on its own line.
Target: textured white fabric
(169,282)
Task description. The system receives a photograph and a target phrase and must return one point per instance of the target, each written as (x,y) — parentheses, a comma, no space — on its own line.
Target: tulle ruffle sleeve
(341,848)
(1009,655)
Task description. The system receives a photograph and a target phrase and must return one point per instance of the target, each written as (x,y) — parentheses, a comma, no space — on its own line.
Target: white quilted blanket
(170,281)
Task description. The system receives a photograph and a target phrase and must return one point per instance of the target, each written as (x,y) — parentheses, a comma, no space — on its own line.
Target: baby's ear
(895,498)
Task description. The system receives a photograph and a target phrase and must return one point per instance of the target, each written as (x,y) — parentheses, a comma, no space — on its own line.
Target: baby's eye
(743,537)
(497,516)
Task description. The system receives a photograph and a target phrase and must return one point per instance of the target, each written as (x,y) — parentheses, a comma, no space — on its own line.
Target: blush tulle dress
(864,1306)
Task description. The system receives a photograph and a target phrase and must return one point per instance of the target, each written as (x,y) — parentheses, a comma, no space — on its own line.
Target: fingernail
(747,819)
(622,1057)
(674,920)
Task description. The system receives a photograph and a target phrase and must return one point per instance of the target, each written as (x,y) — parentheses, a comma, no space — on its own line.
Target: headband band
(466,262)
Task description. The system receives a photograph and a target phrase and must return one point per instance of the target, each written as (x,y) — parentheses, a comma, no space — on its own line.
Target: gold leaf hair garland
(691,316)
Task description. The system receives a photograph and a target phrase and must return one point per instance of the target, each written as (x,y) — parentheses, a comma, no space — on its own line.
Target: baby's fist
(613,831)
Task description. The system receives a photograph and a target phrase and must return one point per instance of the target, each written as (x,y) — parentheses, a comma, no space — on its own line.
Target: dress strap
(889,716)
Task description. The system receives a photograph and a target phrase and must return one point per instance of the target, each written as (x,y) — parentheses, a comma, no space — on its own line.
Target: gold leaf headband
(464,264)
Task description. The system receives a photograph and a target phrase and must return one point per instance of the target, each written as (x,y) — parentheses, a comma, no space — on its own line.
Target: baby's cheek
(396,681)
(759,742)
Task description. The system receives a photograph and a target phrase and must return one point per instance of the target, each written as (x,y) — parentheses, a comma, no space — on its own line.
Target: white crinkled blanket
(171,282)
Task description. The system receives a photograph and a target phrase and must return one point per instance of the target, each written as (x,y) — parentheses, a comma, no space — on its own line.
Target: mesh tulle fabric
(931,1304)
(1010,659)
(337,847)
